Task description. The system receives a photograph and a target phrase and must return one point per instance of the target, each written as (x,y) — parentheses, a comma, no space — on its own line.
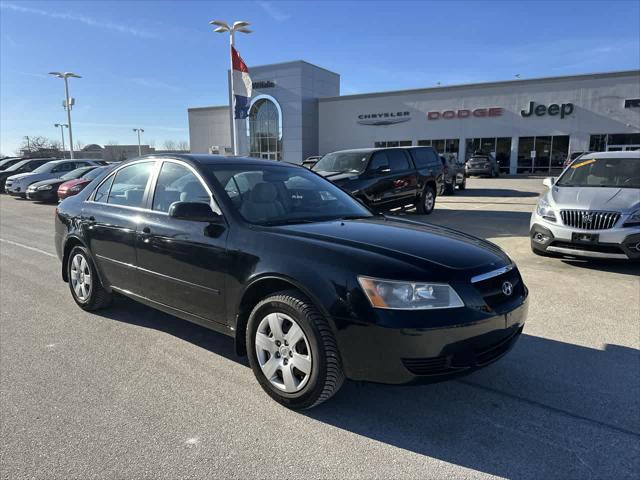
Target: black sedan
(47,190)
(310,284)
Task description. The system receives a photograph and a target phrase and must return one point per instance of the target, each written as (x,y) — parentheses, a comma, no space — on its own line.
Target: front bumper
(621,243)
(42,195)
(397,355)
(16,191)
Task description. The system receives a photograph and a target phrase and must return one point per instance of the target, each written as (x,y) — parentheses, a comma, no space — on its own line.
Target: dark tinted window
(177,183)
(64,167)
(398,160)
(379,160)
(129,184)
(424,157)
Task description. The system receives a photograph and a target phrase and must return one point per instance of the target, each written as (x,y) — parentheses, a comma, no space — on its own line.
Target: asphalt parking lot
(134,393)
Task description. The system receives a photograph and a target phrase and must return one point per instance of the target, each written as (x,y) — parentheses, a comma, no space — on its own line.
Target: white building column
(513,160)
(462,149)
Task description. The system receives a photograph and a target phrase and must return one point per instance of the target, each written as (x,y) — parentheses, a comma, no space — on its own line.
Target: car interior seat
(262,203)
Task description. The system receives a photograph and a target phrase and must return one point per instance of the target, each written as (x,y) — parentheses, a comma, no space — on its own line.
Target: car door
(379,185)
(182,263)
(110,218)
(403,176)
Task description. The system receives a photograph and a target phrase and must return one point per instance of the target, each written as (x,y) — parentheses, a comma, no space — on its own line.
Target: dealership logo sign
(262,84)
(465,113)
(386,118)
(554,109)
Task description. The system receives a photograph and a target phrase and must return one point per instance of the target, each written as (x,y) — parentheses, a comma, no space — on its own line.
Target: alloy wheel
(428,200)
(283,352)
(81,280)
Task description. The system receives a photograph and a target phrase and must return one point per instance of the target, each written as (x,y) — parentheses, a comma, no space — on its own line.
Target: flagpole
(234,133)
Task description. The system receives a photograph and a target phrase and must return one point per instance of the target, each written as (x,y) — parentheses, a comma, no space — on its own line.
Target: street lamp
(68,102)
(236,27)
(61,125)
(139,131)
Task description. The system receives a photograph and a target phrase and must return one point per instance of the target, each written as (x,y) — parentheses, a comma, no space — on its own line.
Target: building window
(392,143)
(499,147)
(550,153)
(447,145)
(614,142)
(265,129)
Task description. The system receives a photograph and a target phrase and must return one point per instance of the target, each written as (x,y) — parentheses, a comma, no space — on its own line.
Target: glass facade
(500,147)
(446,145)
(550,153)
(614,142)
(265,136)
(392,143)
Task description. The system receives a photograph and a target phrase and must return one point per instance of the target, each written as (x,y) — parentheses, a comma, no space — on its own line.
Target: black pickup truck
(386,178)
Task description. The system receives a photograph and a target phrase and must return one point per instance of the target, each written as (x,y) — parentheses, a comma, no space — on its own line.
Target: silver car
(592,209)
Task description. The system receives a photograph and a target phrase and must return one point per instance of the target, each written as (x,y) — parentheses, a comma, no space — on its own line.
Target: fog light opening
(540,237)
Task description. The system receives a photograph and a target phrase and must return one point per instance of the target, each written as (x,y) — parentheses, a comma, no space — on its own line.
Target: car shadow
(623,267)
(548,409)
(492,192)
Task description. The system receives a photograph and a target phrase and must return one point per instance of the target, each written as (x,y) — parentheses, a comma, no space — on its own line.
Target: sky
(143,63)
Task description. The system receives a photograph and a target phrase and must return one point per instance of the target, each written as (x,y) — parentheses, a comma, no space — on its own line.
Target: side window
(129,184)
(378,161)
(103,191)
(177,183)
(63,167)
(421,157)
(398,161)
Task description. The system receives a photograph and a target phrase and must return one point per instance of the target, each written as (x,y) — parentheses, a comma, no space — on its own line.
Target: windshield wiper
(289,221)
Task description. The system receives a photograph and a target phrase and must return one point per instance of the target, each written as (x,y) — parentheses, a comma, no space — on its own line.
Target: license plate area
(585,237)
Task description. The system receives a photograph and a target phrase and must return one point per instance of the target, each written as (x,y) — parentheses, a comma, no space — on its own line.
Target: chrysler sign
(465,113)
(385,118)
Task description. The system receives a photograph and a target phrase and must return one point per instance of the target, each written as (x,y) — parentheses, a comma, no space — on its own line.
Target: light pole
(139,130)
(61,125)
(68,103)
(236,27)
(28,144)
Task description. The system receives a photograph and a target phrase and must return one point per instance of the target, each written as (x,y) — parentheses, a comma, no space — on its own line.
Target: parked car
(482,164)
(7,162)
(572,157)
(386,178)
(307,280)
(73,187)
(47,190)
(454,174)
(311,161)
(24,166)
(17,185)
(592,210)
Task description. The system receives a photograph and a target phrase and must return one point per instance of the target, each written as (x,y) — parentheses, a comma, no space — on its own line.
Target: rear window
(398,160)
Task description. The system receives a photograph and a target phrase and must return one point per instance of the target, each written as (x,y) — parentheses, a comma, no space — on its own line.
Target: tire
(425,206)
(449,189)
(89,295)
(316,350)
(463,185)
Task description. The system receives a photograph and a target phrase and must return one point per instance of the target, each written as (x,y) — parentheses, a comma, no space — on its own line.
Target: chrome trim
(586,253)
(178,280)
(491,274)
(117,262)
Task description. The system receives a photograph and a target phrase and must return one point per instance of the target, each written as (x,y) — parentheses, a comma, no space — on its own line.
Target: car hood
(50,181)
(73,183)
(595,198)
(31,177)
(17,176)
(338,176)
(407,241)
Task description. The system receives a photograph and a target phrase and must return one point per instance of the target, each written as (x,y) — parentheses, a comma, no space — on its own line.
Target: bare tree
(79,145)
(169,145)
(151,143)
(113,142)
(183,146)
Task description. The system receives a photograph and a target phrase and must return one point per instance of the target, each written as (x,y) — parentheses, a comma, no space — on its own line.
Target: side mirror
(549,181)
(194,211)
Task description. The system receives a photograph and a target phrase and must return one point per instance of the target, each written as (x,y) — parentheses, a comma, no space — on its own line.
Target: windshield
(46,168)
(342,162)
(279,195)
(77,173)
(602,172)
(94,172)
(16,166)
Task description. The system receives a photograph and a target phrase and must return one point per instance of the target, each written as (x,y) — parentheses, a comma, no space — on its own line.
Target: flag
(241,86)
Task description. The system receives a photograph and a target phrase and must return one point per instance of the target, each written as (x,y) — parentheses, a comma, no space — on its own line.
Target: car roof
(596,155)
(206,159)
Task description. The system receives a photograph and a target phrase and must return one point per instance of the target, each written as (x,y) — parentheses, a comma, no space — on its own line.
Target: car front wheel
(427,201)
(85,286)
(292,351)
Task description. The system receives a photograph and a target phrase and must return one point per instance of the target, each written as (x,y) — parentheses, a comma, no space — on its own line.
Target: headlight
(545,210)
(396,295)
(45,187)
(633,220)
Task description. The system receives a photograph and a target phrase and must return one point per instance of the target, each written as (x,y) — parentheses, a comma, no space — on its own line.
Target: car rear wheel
(85,286)
(463,185)
(292,351)
(427,200)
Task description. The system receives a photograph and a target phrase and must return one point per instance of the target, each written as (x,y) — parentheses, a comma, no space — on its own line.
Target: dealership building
(296,111)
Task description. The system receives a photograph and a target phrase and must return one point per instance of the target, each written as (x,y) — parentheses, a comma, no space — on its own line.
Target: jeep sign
(553,109)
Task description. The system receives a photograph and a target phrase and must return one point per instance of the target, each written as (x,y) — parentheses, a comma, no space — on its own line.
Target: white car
(17,185)
(592,210)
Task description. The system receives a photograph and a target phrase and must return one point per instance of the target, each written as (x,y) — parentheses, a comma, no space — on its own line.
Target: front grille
(589,247)
(491,289)
(589,219)
(429,366)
